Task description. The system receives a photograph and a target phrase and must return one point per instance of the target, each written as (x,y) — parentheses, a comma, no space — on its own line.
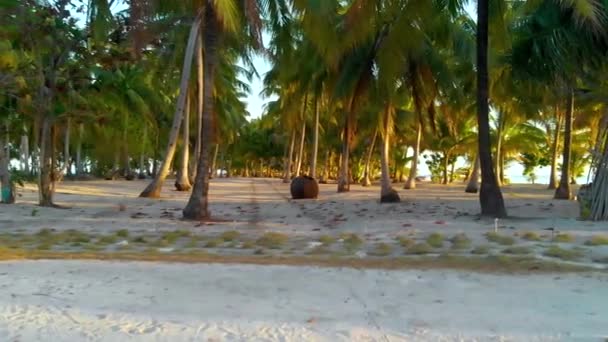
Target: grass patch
(518,250)
(420,248)
(230,235)
(327,240)
(435,240)
(175,235)
(351,241)
(381,249)
(139,239)
(107,239)
(123,233)
(564,237)
(479,250)
(598,240)
(531,236)
(213,243)
(405,241)
(248,245)
(193,243)
(319,250)
(272,240)
(500,239)
(460,241)
(44,246)
(563,253)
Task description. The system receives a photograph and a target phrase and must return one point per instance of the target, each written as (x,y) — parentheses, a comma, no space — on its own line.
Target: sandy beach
(110,301)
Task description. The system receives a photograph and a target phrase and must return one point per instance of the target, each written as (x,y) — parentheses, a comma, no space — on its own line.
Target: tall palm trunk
(66,147)
(79,168)
(213,170)
(198,204)
(555,151)
(368,160)
(473,184)
(490,196)
(411,180)
(154,188)
(387,193)
(182,183)
(343,177)
(315,143)
(498,155)
(6,190)
(301,149)
(25,153)
(325,172)
(287,171)
(446,164)
(199,103)
(563,190)
(45,178)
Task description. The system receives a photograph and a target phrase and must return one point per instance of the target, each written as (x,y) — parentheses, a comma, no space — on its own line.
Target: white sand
(110,301)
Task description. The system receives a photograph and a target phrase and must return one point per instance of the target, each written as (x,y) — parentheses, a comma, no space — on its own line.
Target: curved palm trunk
(79,168)
(301,149)
(199,103)
(315,144)
(182,183)
(555,151)
(563,191)
(198,204)
(7,194)
(490,196)
(343,177)
(154,188)
(387,193)
(287,171)
(366,179)
(411,181)
(45,178)
(446,164)
(473,184)
(213,169)
(66,148)
(498,155)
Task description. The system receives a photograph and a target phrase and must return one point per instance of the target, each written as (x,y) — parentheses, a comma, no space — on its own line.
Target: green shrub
(272,240)
(562,253)
(327,240)
(531,236)
(123,233)
(420,248)
(175,235)
(500,239)
(597,240)
(382,249)
(405,241)
(230,235)
(564,237)
(460,241)
(517,250)
(481,250)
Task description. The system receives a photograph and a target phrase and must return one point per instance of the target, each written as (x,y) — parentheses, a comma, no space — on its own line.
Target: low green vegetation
(480,250)
(460,241)
(531,236)
(500,239)
(123,233)
(175,235)
(107,239)
(405,241)
(351,241)
(517,250)
(272,240)
(248,244)
(230,235)
(564,237)
(381,249)
(327,240)
(214,243)
(420,248)
(563,253)
(597,240)
(435,240)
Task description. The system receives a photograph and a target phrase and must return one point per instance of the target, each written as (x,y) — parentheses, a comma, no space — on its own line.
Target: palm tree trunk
(343,177)
(199,103)
(6,190)
(473,184)
(368,160)
(387,193)
(79,169)
(315,144)
(324,173)
(498,154)
(411,181)
(182,183)
(490,196)
(198,204)
(563,191)
(66,147)
(555,151)
(154,188)
(142,155)
(446,164)
(287,171)
(213,171)
(25,153)
(45,178)
(301,149)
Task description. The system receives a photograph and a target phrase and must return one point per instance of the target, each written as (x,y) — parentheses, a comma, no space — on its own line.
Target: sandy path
(108,301)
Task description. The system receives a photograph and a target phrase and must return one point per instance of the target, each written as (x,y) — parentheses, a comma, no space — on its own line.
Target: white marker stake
(496,225)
